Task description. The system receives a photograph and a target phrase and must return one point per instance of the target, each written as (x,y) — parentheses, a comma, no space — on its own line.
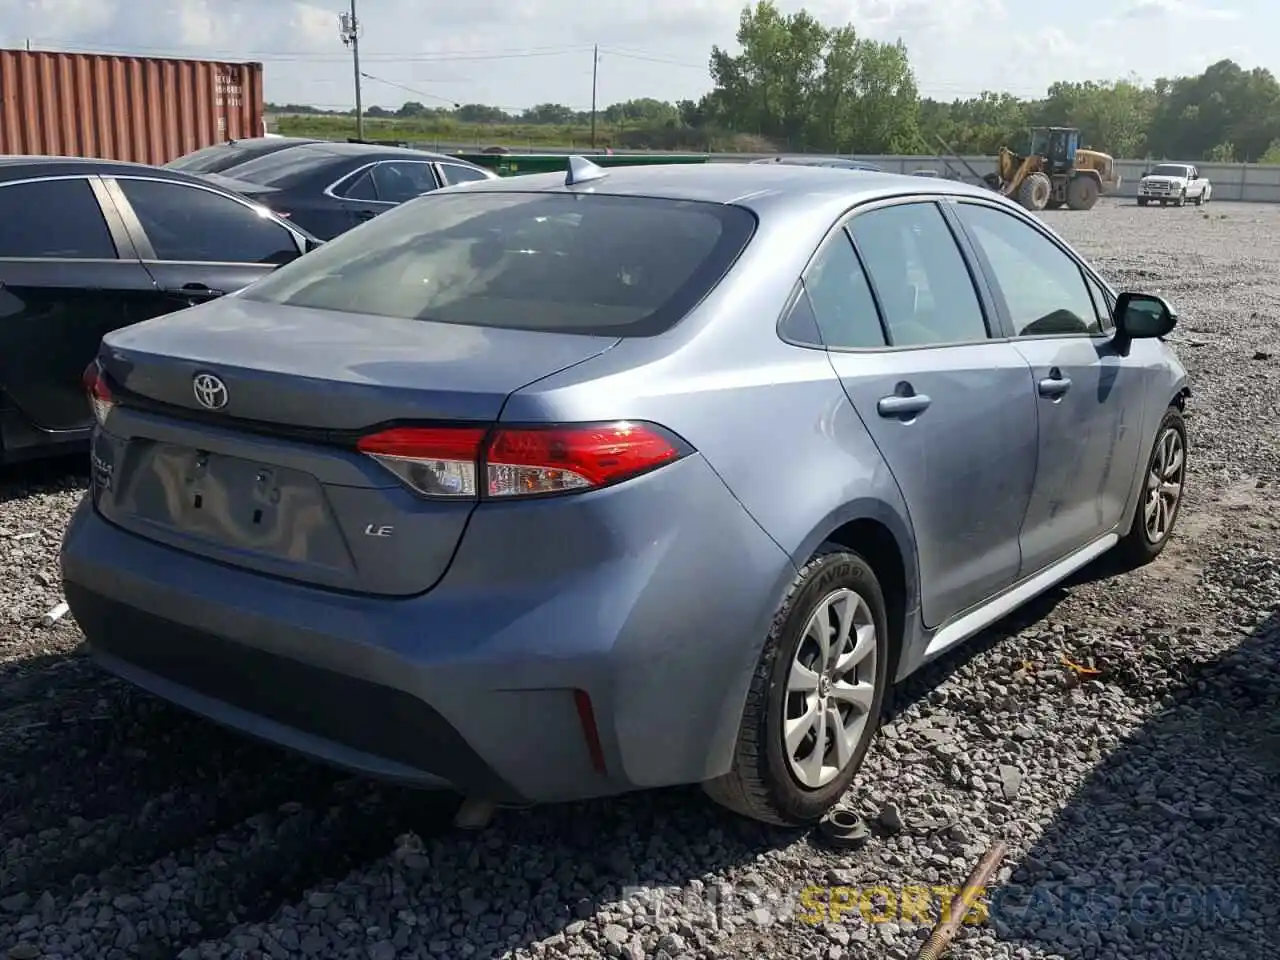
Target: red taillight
(95,385)
(463,462)
(435,461)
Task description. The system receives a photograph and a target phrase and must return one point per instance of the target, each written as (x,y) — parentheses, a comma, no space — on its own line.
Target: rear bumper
(653,598)
(21,440)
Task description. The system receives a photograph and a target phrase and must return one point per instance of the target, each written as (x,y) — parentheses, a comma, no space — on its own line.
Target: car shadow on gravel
(919,685)
(51,475)
(1171,848)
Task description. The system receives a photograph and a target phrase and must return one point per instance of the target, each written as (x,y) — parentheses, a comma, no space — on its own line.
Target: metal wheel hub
(1164,485)
(830,689)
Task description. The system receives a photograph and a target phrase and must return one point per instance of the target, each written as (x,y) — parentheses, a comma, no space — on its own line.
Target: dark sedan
(221,156)
(330,187)
(87,246)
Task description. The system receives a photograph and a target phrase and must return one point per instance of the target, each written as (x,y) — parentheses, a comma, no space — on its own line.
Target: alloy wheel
(1164,485)
(830,689)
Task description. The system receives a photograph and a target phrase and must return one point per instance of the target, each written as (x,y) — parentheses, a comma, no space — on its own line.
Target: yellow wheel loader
(1056,172)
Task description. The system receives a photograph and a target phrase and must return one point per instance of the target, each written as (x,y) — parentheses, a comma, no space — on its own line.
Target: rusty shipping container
(142,109)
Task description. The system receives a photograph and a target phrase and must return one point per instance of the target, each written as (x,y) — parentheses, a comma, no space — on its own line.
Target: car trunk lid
(264,474)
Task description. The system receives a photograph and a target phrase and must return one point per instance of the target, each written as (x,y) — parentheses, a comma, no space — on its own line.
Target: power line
(415,92)
(316,56)
(630,55)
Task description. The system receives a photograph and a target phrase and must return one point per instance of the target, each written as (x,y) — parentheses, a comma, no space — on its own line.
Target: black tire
(1138,547)
(1200,199)
(1082,193)
(1035,191)
(1142,201)
(761,784)
(1182,199)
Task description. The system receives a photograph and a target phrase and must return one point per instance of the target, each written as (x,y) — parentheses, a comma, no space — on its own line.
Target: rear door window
(359,188)
(194,225)
(842,302)
(57,219)
(919,275)
(592,264)
(398,181)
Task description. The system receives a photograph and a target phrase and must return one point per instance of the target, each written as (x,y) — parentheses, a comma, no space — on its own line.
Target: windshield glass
(280,168)
(1168,170)
(591,264)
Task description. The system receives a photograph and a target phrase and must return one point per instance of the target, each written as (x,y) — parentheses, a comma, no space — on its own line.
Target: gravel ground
(1141,803)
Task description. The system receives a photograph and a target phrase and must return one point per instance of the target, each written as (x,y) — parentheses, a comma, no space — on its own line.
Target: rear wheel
(1082,193)
(1162,489)
(816,696)
(1035,191)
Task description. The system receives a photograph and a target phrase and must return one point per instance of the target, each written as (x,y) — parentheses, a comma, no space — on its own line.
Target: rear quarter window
(591,264)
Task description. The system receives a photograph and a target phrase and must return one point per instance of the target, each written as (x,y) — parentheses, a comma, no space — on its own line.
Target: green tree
(1112,117)
(1272,154)
(811,86)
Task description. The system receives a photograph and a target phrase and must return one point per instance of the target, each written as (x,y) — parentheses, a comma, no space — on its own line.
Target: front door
(951,411)
(1088,400)
(63,285)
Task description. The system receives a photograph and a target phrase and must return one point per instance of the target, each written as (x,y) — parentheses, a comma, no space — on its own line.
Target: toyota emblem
(210,391)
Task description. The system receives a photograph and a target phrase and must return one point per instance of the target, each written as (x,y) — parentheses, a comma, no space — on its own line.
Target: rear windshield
(1168,170)
(591,264)
(222,155)
(280,168)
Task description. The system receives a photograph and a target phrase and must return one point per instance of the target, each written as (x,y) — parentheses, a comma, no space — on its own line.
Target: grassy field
(440,131)
(450,134)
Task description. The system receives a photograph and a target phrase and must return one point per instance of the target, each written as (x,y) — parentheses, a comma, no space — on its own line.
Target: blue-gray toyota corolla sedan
(560,486)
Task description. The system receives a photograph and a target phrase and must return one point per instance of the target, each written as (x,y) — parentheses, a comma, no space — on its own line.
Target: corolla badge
(210,391)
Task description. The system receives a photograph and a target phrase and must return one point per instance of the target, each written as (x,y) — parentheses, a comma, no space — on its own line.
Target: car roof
(778,187)
(23,167)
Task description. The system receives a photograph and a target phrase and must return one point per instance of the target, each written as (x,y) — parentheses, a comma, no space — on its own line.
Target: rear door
(1088,398)
(950,408)
(197,243)
(68,275)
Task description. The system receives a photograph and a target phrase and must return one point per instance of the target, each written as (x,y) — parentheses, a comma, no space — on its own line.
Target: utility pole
(349,31)
(595,65)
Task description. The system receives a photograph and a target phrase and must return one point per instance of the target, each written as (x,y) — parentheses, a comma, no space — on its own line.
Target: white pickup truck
(1175,183)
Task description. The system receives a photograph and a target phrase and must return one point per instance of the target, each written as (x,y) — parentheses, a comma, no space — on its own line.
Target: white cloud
(1175,10)
(513,53)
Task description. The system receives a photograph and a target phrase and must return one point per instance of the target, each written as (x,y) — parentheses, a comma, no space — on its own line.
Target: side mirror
(1141,316)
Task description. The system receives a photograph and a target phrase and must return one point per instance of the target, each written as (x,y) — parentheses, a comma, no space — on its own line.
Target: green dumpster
(516,164)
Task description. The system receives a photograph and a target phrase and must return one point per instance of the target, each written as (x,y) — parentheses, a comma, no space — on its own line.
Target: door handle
(900,406)
(199,289)
(1054,385)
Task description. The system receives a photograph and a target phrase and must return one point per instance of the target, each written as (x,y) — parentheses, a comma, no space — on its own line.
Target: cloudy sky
(513,53)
